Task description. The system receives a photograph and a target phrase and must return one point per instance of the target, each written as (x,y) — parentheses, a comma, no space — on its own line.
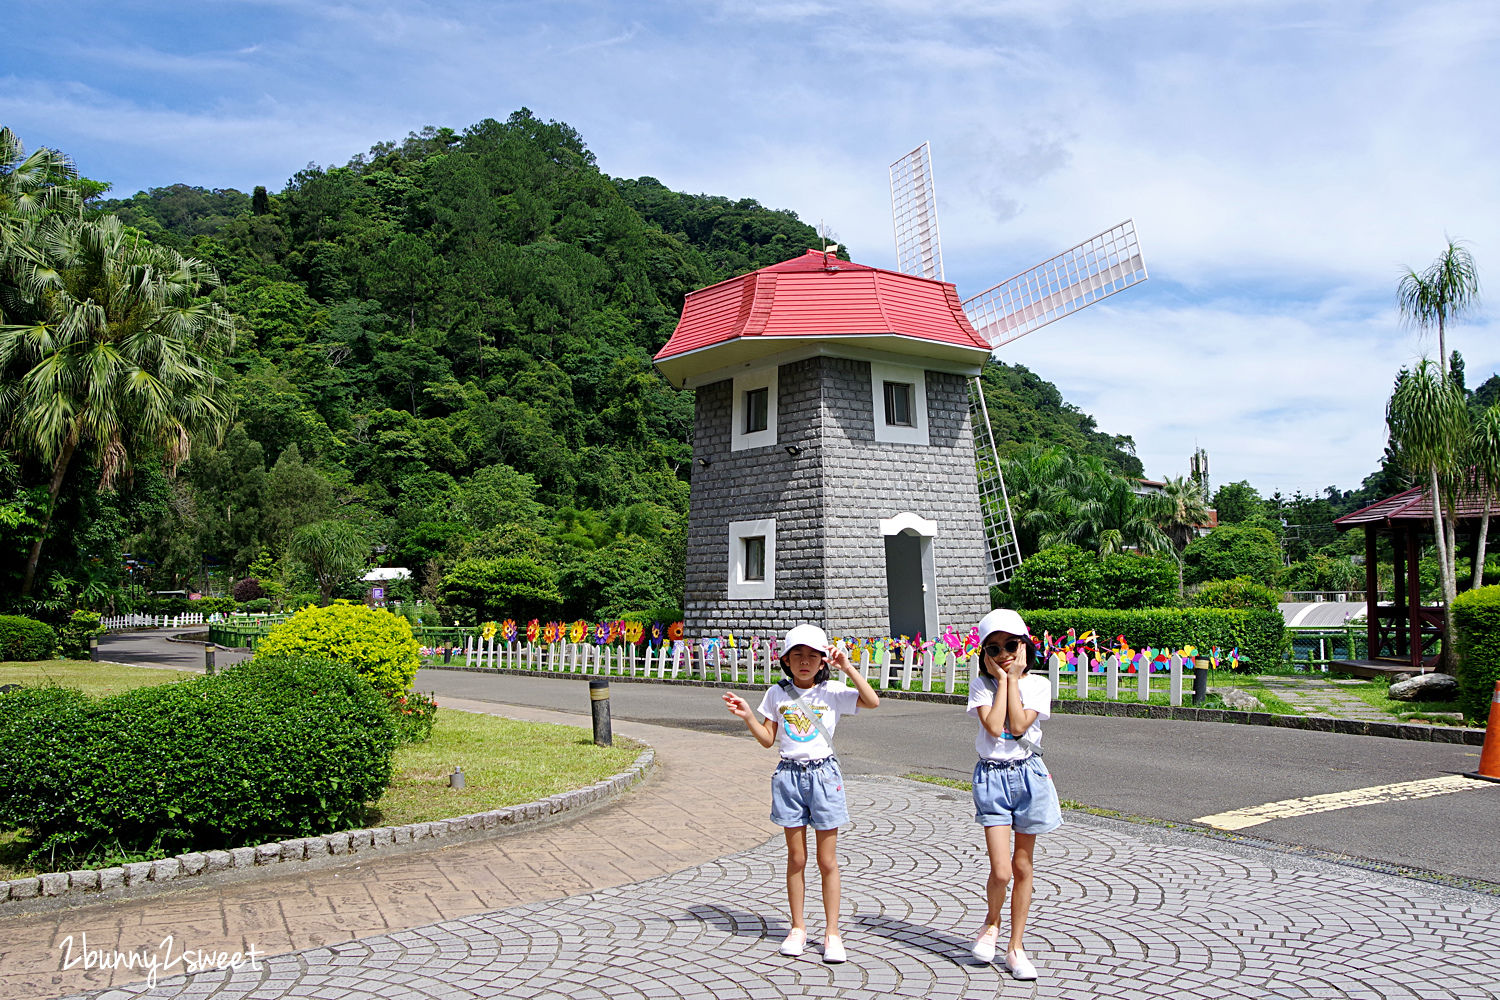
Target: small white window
(754,410)
(755,559)
(752,560)
(898,394)
(898,409)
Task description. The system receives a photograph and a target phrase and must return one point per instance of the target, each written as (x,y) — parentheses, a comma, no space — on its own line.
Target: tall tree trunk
(1445,572)
(1442,348)
(1484,530)
(59,472)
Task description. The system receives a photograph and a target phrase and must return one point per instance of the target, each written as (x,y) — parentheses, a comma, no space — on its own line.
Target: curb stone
(196,868)
(1069,706)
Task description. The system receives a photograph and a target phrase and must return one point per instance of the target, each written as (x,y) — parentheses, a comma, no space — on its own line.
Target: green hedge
(25,638)
(377,643)
(1260,635)
(267,750)
(1476,618)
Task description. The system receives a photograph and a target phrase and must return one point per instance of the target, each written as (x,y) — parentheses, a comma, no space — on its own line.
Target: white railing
(159,621)
(1074,682)
(930,669)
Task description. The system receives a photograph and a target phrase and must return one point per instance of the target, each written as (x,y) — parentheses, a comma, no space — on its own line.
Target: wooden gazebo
(1398,633)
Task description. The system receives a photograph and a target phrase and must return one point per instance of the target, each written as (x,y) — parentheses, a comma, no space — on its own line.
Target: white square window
(898,394)
(898,408)
(754,410)
(752,560)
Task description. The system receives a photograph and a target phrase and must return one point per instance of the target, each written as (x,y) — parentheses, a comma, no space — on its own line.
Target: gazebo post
(1372,595)
(1398,591)
(1414,596)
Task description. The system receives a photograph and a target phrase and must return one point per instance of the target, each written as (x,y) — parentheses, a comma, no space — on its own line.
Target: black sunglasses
(995,649)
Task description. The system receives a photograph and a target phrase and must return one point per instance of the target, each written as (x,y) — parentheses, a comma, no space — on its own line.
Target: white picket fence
(159,621)
(1070,682)
(938,669)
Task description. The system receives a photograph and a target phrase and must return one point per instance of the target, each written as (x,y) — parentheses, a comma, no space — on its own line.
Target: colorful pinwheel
(674,631)
(533,630)
(633,632)
(508,630)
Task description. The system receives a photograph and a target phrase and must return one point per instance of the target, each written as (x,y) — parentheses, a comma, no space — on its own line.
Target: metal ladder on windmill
(1078,277)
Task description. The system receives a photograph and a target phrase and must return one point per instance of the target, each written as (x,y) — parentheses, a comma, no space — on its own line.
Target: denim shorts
(809,795)
(1016,794)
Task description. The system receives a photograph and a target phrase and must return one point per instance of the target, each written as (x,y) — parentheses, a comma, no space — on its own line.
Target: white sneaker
(833,949)
(984,945)
(794,943)
(1019,965)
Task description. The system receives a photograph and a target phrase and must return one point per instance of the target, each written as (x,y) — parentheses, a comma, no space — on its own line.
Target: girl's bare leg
(796,863)
(1020,896)
(828,865)
(997,843)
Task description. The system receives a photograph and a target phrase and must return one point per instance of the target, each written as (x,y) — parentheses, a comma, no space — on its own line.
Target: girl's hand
(1017,666)
(840,659)
(737,705)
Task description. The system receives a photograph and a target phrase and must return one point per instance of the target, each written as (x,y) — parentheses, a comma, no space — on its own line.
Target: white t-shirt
(1036,694)
(796,736)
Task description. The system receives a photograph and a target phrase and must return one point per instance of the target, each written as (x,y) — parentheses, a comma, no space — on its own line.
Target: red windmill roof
(817,297)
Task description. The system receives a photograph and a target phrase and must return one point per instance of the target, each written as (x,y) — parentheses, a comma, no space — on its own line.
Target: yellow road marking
(1238,819)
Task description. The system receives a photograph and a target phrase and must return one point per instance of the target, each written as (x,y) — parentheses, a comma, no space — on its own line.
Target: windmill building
(834,479)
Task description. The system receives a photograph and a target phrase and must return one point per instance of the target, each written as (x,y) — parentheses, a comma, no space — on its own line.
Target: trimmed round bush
(1476,619)
(1241,592)
(270,749)
(377,643)
(25,638)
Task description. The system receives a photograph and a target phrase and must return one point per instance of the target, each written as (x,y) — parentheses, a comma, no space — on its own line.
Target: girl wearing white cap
(1012,790)
(801,714)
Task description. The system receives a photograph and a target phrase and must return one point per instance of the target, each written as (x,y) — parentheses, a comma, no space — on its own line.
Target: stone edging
(41,892)
(1134,710)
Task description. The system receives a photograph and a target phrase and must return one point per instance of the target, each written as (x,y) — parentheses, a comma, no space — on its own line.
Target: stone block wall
(828,501)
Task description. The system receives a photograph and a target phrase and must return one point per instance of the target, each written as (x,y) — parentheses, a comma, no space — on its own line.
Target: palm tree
(1429,427)
(334,551)
(117,360)
(1484,475)
(1448,289)
(1185,511)
(34,191)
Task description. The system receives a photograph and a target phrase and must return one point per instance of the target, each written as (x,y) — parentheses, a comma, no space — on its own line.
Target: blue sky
(1283,161)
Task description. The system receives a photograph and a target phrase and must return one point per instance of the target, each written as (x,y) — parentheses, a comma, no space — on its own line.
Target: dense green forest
(440,355)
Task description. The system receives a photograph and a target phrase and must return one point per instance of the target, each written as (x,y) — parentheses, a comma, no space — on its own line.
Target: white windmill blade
(1002,545)
(1075,278)
(914,209)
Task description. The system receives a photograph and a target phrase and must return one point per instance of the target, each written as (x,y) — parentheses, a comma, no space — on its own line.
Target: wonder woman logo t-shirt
(797,737)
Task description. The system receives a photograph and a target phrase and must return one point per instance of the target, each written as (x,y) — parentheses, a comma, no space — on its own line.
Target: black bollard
(94,648)
(1200,680)
(599,701)
(448,654)
(208,658)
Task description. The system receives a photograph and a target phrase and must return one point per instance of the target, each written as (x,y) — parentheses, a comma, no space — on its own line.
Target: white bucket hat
(1002,620)
(806,635)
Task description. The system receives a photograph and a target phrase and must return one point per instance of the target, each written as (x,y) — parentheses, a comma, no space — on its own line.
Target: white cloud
(1283,160)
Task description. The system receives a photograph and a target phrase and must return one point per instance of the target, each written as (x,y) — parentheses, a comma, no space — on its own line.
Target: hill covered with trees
(441,354)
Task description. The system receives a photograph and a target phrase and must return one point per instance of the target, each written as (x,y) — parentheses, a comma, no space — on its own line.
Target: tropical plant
(335,552)
(32,187)
(116,361)
(1232,550)
(1428,421)
(1447,290)
(1183,512)
(1484,475)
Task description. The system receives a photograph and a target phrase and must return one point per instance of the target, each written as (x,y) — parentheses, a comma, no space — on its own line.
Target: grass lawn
(1373,692)
(94,679)
(504,762)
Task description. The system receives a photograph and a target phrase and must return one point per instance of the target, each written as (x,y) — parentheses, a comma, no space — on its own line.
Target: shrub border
(60,889)
(1073,706)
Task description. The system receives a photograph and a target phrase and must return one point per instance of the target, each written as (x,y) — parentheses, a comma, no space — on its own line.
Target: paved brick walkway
(707,797)
(1121,911)
(1315,695)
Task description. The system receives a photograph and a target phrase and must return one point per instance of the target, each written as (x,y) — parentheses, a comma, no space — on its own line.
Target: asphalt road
(1164,770)
(1157,769)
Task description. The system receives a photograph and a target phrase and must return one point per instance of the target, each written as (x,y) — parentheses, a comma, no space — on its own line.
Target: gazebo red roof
(1413,505)
(817,297)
